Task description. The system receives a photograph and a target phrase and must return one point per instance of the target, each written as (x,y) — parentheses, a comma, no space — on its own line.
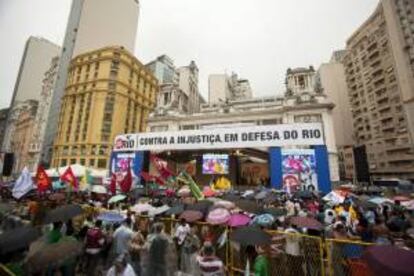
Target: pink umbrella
(141,208)
(218,216)
(225,204)
(237,220)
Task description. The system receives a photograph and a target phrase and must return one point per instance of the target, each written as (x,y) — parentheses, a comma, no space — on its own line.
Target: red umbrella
(306,222)
(237,220)
(191,215)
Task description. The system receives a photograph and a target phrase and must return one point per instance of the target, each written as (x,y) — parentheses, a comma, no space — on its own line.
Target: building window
(63,162)
(82,162)
(72,161)
(91,162)
(102,163)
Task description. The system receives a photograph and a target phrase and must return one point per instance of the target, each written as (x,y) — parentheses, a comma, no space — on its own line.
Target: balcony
(395,158)
(397,147)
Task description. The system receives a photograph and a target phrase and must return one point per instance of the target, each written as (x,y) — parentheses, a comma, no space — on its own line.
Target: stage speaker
(8,164)
(146,161)
(361,164)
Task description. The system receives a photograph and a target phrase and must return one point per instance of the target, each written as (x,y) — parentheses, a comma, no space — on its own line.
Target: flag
(247,269)
(69,177)
(42,179)
(23,185)
(86,180)
(126,183)
(112,185)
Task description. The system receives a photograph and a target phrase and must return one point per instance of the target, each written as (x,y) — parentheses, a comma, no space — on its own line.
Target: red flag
(42,179)
(112,185)
(126,183)
(69,177)
(161,166)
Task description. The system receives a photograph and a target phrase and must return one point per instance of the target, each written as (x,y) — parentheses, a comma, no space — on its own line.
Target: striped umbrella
(218,216)
(264,220)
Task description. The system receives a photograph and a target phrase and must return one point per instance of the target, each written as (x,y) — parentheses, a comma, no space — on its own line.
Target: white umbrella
(158,210)
(98,189)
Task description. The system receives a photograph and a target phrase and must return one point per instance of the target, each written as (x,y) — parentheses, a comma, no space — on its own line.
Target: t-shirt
(94,238)
(182,232)
(54,236)
(128,271)
(292,242)
(261,266)
(122,237)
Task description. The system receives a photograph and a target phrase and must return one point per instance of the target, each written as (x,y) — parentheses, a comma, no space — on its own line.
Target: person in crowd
(292,249)
(208,263)
(189,250)
(158,248)
(121,238)
(136,247)
(94,244)
(121,267)
(206,234)
(54,235)
(261,263)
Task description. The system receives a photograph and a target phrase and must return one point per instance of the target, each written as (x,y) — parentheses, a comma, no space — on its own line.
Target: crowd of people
(141,244)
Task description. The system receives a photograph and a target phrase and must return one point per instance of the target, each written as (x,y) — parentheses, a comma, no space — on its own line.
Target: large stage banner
(304,134)
(299,170)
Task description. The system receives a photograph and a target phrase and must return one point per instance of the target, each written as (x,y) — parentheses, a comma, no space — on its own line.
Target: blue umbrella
(111,217)
(264,220)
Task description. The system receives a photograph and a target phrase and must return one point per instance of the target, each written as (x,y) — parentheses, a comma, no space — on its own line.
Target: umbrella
(208,192)
(401,198)
(304,194)
(408,204)
(175,210)
(248,206)
(380,200)
(261,195)
(237,220)
(54,255)
(225,204)
(191,215)
(250,235)
(263,220)
(389,260)
(57,197)
(158,210)
(202,206)
(231,197)
(116,198)
(141,208)
(248,194)
(365,204)
(306,222)
(98,189)
(63,213)
(111,217)
(271,198)
(218,216)
(16,239)
(276,212)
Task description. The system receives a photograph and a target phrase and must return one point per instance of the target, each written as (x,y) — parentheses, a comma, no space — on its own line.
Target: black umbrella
(248,206)
(231,197)
(16,239)
(175,210)
(202,206)
(63,213)
(276,212)
(250,236)
(389,260)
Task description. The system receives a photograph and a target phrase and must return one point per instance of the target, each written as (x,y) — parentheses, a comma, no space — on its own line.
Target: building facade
(35,62)
(331,78)
(23,133)
(3,122)
(109,92)
(299,107)
(38,134)
(379,69)
(222,87)
(92,24)
(188,83)
(164,70)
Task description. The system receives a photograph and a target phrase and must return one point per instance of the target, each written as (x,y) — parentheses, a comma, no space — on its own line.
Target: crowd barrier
(289,253)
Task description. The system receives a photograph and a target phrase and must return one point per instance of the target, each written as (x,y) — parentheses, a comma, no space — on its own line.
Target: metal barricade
(345,258)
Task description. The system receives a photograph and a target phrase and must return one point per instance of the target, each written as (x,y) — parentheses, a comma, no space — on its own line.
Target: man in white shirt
(182,231)
(121,238)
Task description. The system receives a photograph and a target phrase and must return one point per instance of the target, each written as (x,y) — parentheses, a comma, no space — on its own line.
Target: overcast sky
(257,39)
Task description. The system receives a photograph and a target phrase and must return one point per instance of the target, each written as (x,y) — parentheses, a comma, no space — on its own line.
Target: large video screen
(215,163)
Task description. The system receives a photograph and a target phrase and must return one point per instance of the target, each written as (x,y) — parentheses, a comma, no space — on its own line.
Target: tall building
(188,83)
(92,24)
(3,122)
(379,68)
(36,59)
(23,133)
(331,78)
(222,87)
(109,92)
(41,118)
(164,70)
